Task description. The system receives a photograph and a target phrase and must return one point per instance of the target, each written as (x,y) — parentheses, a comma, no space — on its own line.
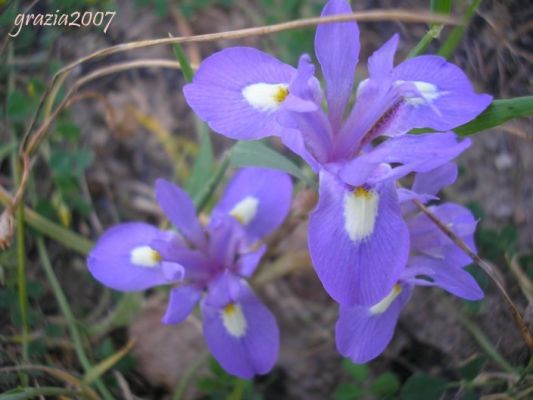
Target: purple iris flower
(208,264)
(363,332)
(358,239)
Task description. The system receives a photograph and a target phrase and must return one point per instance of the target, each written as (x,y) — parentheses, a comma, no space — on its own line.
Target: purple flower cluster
(207,265)
(369,244)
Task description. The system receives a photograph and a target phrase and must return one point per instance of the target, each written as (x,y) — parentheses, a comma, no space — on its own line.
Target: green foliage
(422,386)
(383,386)
(499,112)
(219,385)
(256,153)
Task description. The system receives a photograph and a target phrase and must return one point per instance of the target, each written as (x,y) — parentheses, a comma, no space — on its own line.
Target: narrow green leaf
(453,40)
(186,68)
(422,386)
(204,163)
(497,113)
(347,391)
(441,6)
(256,153)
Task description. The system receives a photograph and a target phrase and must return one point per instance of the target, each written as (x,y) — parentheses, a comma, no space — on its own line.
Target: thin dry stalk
(488,269)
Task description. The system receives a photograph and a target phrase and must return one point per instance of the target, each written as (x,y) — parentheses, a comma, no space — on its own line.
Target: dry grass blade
(488,269)
(401,15)
(58,374)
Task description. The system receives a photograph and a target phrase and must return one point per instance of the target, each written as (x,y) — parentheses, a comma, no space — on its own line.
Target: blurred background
(122,131)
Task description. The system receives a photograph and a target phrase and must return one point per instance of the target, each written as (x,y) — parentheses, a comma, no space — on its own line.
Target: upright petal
(125,259)
(438,96)
(259,198)
(180,304)
(363,333)
(358,241)
(238,90)
(240,331)
(337,50)
(180,210)
(381,62)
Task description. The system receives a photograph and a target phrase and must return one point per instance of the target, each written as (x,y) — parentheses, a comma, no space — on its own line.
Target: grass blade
(453,40)
(497,113)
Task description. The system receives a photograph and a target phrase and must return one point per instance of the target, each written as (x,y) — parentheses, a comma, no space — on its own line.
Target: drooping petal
(414,153)
(249,261)
(363,333)
(240,331)
(180,304)
(180,210)
(441,96)
(337,50)
(358,241)
(444,274)
(125,260)
(259,198)
(428,239)
(431,182)
(238,90)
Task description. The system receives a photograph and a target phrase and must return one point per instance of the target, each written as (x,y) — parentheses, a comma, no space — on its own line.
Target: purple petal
(227,237)
(381,63)
(428,239)
(259,198)
(442,99)
(363,335)
(354,270)
(180,210)
(249,261)
(124,260)
(418,153)
(443,274)
(431,183)
(180,304)
(337,50)
(241,333)
(217,93)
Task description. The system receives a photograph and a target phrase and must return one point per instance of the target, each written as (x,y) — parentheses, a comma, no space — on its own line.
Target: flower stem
(69,316)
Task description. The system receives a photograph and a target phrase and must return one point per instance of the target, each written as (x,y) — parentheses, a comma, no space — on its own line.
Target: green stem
(485,344)
(21,273)
(69,316)
(238,390)
(421,47)
(54,231)
(203,197)
(453,40)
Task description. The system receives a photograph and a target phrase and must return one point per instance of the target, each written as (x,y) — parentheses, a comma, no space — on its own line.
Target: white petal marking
(145,256)
(385,303)
(360,212)
(234,320)
(265,97)
(245,210)
(428,91)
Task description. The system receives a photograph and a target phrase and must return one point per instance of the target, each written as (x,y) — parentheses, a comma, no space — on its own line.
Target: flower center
(360,212)
(386,302)
(245,210)
(265,97)
(234,320)
(145,256)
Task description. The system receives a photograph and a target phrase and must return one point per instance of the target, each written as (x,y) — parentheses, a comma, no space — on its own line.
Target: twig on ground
(488,269)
